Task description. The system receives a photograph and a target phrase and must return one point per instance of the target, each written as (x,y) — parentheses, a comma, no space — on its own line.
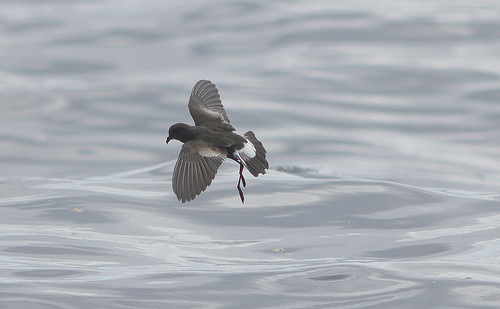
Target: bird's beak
(168,139)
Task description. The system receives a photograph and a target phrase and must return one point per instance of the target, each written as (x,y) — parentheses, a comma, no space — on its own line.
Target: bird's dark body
(210,141)
(212,135)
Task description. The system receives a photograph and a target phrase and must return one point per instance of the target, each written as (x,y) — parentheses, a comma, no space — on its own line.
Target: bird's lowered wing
(195,169)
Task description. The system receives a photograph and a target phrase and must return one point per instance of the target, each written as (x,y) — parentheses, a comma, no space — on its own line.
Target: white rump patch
(248,150)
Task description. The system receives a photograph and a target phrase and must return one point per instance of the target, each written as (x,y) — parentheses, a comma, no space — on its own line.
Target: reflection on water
(380,123)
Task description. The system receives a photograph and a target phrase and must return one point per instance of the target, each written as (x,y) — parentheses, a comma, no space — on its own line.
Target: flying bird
(208,143)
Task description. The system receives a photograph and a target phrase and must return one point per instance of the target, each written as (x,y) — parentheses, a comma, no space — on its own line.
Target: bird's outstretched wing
(206,107)
(195,169)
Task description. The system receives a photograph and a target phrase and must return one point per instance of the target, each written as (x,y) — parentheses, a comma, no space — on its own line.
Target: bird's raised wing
(195,169)
(206,107)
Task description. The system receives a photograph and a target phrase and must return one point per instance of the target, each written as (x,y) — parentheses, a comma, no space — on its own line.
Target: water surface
(381,125)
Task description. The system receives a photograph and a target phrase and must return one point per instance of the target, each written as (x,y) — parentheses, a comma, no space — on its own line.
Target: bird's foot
(241,194)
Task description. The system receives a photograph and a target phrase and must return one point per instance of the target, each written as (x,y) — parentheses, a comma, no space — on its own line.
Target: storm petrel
(208,143)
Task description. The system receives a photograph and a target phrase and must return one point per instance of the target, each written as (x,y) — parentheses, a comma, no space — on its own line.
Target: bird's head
(181,132)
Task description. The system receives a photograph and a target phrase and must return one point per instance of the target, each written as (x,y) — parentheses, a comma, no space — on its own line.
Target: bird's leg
(241,176)
(241,180)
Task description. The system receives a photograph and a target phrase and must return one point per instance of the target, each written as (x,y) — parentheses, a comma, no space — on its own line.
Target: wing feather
(195,169)
(206,107)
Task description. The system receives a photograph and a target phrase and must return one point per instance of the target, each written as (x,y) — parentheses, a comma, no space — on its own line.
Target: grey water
(381,122)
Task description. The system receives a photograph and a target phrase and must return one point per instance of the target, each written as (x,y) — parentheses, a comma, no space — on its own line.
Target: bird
(208,143)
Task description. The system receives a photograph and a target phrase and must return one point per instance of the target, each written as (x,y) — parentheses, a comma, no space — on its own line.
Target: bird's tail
(257,164)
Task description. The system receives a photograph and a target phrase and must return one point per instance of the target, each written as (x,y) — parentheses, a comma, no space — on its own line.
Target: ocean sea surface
(381,120)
